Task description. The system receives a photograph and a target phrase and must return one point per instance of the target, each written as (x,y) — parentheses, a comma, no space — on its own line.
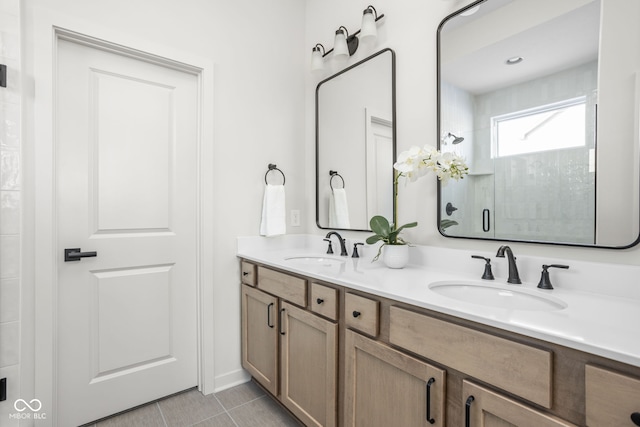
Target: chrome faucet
(343,247)
(514,277)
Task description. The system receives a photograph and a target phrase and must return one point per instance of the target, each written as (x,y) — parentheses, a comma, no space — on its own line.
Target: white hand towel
(338,209)
(273,211)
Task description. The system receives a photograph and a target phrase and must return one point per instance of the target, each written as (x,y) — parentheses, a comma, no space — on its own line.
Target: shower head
(456,139)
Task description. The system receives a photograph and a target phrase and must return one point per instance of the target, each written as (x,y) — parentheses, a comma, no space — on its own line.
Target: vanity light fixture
(514,60)
(345,44)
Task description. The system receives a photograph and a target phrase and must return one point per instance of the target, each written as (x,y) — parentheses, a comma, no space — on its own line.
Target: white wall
(409,27)
(258,51)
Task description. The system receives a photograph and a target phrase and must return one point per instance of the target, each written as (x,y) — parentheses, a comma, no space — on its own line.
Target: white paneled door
(126,188)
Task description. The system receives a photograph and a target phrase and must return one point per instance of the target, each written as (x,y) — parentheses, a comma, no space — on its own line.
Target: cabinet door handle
(245,273)
(319,300)
(635,417)
(269,324)
(467,411)
(281,322)
(356,313)
(429,383)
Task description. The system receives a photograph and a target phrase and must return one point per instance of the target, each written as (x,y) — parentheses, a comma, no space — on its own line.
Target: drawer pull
(429,383)
(467,411)
(281,322)
(635,417)
(245,273)
(319,300)
(269,324)
(356,314)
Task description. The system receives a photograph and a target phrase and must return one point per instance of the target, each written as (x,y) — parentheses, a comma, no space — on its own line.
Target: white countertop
(603,323)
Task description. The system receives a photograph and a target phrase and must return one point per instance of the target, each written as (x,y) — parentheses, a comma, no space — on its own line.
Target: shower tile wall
(532,194)
(456,116)
(10,207)
(517,194)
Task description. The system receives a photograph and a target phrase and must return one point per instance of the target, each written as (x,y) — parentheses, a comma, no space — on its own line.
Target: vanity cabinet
(486,408)
(289,350)
(611,398)
(385,387)
(339,356)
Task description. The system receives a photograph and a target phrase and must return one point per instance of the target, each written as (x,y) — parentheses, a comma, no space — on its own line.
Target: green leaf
(446,223)
(410,225)
(373,239)
(380,226)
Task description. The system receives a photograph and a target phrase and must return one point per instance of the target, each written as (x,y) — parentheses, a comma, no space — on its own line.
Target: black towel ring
(333,175)
(271,168)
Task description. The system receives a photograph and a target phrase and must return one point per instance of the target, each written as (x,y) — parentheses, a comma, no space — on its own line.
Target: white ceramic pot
(395,256)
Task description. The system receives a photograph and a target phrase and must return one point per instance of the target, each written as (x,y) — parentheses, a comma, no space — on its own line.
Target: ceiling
(563,41)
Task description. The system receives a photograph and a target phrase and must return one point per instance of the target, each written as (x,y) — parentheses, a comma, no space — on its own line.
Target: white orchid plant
(413,164)
(418,161)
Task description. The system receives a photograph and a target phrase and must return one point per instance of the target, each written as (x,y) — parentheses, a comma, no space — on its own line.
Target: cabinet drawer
(362,314)
(290,288)
(324,301)
(611,398)
(517,368)
(248,273)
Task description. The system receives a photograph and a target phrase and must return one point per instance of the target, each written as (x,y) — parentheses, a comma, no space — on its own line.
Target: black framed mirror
(356,144)
(541,98)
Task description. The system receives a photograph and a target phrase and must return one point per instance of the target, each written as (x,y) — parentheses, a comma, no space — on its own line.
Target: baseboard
(231,379)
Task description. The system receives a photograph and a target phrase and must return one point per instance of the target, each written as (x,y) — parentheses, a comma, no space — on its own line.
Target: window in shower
(547,127)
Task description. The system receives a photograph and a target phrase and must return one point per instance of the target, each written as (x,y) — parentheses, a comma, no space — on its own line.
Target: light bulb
(369,31)
(340,48)
(317,61)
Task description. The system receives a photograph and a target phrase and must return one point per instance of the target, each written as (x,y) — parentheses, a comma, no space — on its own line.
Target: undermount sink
(505,297)
(318,261)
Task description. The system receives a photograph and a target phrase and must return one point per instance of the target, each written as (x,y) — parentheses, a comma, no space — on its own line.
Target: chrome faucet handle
(545,281)
(488,274)
(330,248)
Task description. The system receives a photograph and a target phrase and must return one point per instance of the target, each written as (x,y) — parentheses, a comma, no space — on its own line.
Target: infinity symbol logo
(21,405)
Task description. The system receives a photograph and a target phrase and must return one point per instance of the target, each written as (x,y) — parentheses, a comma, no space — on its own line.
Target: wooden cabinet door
(385,387)
(260,337)
(611,398)
(308,366)
(486,408)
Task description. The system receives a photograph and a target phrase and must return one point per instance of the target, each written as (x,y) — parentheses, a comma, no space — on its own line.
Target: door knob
(74,254)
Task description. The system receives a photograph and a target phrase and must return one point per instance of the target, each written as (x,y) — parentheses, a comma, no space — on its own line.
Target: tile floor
(245,405)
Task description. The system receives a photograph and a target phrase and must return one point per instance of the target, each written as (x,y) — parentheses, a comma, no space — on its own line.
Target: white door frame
(40,203)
